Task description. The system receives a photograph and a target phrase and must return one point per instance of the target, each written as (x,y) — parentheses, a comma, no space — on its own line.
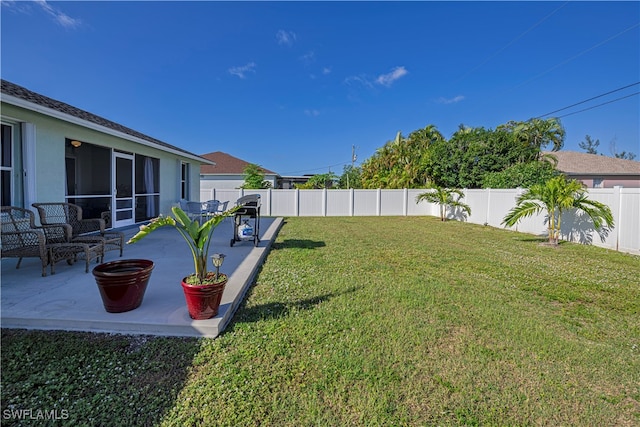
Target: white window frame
(185,184)
(10,167)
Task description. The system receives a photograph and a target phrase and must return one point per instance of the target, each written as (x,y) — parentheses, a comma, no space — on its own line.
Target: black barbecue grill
(243,229)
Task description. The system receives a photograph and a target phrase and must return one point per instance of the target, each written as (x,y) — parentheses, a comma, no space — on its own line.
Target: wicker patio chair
(21,238)
(84,230)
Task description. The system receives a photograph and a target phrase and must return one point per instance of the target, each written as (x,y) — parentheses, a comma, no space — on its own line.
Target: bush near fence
(488,207)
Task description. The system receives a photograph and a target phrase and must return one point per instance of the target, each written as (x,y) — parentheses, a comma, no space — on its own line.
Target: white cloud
(453,100)
(242,70)
(308,57)
(326,70)
(16,6)
(286,38)
(389,78)
(59,16)
(360,80)
(312,113)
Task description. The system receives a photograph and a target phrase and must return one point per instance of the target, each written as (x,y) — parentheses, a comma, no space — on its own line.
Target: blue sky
(292,86)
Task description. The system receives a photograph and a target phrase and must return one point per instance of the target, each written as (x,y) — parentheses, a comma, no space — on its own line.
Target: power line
(579,54)
(316,169)
(600,105)
(590,99)
(511,42)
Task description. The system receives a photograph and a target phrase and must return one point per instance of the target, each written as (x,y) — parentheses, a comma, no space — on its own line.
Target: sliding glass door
(123,171)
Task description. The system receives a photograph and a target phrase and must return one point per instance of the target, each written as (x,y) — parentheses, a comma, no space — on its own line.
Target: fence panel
(487,207)
(311,202)
(284,203)
(339,203)
(393,203)
(422,208)
(365,203)
(628,220)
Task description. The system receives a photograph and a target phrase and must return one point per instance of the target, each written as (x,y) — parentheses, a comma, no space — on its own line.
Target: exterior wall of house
(228,182)
(608,181)
(50,139)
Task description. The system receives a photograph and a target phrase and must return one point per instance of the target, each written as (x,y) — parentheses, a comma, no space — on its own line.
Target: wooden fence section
(488,207)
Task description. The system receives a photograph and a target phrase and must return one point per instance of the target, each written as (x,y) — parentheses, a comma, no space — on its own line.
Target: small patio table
(90,250)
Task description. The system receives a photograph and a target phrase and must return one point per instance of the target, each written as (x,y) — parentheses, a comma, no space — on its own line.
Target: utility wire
(590,99)
(600,105)
(511,42)
(316,169)
(579,54)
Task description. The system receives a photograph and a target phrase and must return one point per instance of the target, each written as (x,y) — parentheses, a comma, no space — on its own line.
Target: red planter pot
(122,283)
(203,301)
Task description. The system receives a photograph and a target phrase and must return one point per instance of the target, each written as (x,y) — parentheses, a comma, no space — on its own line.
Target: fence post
(351,202)
(379,202)
(617,196)
(324,202)
(405,202)
(296,201)
(269,202)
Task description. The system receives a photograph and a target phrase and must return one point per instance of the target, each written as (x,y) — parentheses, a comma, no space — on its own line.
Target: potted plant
(122,283)
(203,289)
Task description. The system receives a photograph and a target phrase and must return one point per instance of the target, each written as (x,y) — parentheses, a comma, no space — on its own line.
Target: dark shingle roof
(573,162)
(226,164)
(8,88)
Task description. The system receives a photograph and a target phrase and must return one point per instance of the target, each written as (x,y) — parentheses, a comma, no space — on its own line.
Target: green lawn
(375,322)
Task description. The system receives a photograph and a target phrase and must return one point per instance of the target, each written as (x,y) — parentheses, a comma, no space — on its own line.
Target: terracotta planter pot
(203,301)
(122,283)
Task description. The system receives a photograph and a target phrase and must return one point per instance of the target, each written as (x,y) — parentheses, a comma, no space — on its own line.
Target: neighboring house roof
(575,163)
(226,164)
(19,96)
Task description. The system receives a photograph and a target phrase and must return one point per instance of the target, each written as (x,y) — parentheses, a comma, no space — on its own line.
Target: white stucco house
(227,172)
(54,152)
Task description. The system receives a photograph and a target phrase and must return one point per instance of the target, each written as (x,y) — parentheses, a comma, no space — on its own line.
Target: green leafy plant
(522,175)
(445,197)
(197,236)
(556,196)
(254,178)
(323,180)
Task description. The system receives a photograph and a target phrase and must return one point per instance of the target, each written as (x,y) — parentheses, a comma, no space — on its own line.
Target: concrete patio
(70,300)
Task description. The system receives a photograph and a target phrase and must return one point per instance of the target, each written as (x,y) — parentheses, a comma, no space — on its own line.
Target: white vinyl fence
(488,207)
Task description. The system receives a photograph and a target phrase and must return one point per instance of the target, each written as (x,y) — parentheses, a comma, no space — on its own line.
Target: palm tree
(445,197)
(535,134)
(554,197)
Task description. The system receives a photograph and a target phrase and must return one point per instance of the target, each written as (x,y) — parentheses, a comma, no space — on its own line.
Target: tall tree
(536,134)
(402,162)
(351,177)
(620,155)
(555,197)
(322,180)
(254,178)
(589,145)
(471,154)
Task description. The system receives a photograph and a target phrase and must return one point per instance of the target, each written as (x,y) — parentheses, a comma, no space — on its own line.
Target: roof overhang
(275,175)
(601,174)
(19,102)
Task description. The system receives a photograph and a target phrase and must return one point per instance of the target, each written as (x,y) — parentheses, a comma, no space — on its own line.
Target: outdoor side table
(113,240)
(70,251)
